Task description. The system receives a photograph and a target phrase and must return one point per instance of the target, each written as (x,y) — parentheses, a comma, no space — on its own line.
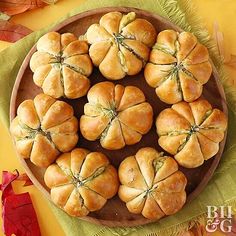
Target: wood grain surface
(115,213)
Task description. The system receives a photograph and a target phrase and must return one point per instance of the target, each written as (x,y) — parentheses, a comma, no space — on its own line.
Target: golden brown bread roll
(81,181)
(120,44)
(43,128)
(116,115)
(61,65)
(191,131)
(178,67)
(151,184)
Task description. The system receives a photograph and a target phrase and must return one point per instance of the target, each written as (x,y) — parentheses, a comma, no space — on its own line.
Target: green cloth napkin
(221,190)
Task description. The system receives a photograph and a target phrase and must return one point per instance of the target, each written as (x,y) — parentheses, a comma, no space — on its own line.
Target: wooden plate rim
(13,108)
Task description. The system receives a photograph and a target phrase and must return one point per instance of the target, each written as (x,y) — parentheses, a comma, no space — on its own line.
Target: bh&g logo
(219,218)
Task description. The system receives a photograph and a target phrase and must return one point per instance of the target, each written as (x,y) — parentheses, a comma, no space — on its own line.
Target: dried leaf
(19,217)
(11,32)
(4,16)
(231,61)
(13,7)
(218,36)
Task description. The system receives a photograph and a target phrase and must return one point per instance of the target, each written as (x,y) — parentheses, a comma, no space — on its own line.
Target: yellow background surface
(221,11)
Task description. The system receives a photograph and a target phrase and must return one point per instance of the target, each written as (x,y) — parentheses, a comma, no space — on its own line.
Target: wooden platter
(115,213)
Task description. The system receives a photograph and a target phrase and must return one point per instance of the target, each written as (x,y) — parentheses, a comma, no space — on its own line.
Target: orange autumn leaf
(11,32)
(13,7)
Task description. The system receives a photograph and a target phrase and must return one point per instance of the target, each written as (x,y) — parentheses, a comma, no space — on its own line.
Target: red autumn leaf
(5,187)
(19,217)
(11,32)
(13,7)
(219,38)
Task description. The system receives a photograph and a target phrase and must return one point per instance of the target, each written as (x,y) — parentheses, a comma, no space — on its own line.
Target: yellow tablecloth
(220,11)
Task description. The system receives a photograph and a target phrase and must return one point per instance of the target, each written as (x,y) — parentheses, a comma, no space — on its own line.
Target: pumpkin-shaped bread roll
(191,131)
(178,67)
(61,65)
(116,115)
(151,184)
(43,128)
(81,181)
(120,44)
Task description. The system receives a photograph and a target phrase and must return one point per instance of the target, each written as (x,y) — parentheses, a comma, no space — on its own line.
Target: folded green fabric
(222,188)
